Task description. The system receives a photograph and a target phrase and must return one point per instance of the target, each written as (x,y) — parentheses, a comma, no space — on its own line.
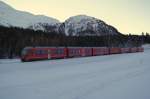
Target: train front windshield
(24,51)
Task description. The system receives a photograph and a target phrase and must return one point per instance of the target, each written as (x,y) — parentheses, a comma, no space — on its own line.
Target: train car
(125,50)
(140,49)
(74,52)
(86,51)
(100,51)
(133,50)
(39,53)
(115,50)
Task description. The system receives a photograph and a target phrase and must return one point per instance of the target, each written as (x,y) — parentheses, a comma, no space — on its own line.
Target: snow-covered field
(122,76)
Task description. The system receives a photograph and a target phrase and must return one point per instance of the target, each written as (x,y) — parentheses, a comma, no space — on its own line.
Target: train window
(40,52)
(74,51)
(78,51)
(60,51)
(71,51)
(43,52)
(87,51)
(37,52)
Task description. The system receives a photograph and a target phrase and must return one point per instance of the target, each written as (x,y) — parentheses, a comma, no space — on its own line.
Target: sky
(128,16)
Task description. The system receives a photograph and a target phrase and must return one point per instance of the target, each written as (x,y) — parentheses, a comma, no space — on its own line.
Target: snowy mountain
(12,17)
(83,25)
(80,25)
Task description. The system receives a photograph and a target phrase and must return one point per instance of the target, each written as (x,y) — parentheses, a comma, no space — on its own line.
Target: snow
(121,76)
(11,17)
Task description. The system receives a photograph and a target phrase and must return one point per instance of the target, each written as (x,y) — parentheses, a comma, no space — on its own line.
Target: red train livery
(100,51)
(125,50)
(115,50)
(39,53)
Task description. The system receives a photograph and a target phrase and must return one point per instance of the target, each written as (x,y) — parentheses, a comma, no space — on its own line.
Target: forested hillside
(13,40)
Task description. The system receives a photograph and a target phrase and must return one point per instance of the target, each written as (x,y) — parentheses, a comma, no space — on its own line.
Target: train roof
(60,47)
(42,47)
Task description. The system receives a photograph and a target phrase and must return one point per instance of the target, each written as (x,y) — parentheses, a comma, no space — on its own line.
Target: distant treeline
(13,40)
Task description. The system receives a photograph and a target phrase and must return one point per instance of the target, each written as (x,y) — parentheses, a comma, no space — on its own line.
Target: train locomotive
(43,53)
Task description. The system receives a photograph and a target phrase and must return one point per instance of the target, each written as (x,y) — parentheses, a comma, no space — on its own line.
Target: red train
(39,53)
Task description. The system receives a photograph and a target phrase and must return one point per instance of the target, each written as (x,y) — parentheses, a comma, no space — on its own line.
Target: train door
(49,54)
(83,52)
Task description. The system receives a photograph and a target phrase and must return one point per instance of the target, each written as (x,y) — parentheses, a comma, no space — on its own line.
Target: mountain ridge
(80,25)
